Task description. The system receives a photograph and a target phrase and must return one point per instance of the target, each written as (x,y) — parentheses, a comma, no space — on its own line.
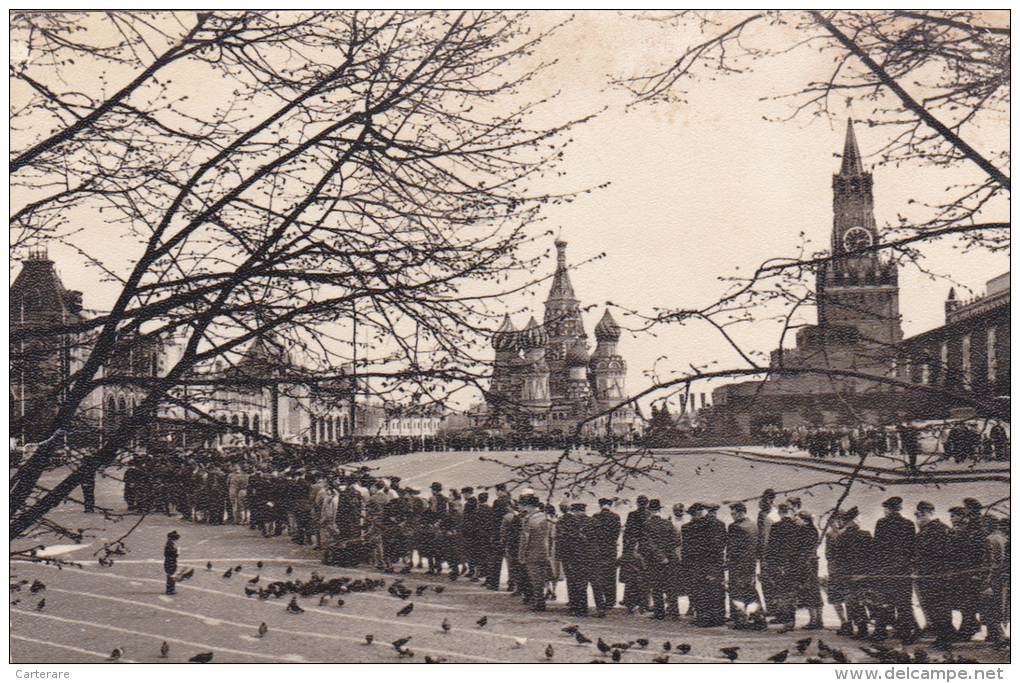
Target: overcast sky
(699,190)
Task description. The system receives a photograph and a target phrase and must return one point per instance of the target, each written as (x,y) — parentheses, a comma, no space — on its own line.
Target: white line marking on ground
(307,634)
(201,646)
(72,648)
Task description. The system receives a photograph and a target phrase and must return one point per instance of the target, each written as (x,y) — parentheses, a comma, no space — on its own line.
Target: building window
(965,362)
(991,355)
(944,362)
(925,374)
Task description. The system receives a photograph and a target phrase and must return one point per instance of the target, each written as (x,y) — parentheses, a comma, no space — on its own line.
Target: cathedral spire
(851,154)
(561,287)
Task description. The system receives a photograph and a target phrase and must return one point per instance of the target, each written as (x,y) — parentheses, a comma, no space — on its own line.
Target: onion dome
(577,355)
(533,336)
(505,338)
(607,330)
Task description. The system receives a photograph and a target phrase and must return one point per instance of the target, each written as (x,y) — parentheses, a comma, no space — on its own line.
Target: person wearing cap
(469,528)
(491,550)
(435,511)
(968,539)
(849,551)
(809,593)
(741,546)
(170,561)
(576,552)
(510,536)
(534,550)
(895,538)
(933,569)
(660,548)
(632,565)
(781,557)
(707,556)
(606,540)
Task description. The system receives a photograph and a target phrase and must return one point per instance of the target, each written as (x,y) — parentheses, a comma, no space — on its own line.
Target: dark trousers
(662,581)
(605,582)
(518,579)
(492,567)
(538,574)
(897,606)
(938,614)
(170,584)
(88,493)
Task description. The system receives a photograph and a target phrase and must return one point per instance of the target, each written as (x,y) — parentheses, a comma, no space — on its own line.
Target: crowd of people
(962,442)
(749,574)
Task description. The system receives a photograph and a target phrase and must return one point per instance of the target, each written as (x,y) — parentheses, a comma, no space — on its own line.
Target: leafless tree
(280,173)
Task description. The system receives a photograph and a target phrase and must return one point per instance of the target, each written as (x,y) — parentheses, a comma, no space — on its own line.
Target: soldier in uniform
(741,555)
(765,503)
(660,548)
(894,551)
(170,561)
(850,552)
(605,555)
(780,557)
(968,551)
(933,567)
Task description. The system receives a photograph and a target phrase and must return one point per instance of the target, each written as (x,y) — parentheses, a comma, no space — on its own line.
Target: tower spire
(561,287)
(851,154)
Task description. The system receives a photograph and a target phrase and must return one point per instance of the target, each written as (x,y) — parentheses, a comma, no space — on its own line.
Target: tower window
(990,353)
(965,365)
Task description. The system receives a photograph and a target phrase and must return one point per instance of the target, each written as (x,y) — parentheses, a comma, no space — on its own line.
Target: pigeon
(667,646)
(581,638)
(369,638)
(399,643)
(421,589)
(227,574)
(187,575)
(730,653)
(290,570)
(520,642)
(164,650)
(293,606)
(37,586)
(549,652)
(405,653)
(263,630)
(339,602)
(802,645)
(445,626)
(208,566)
(622,647)
(439,589)
(237,569)
(643,642)
(779,657)
(16,602)
(255,580)
(814,660)
(664,659)
(41,606)
(617,656)
(437,660)
(323,600)
(482,622)
(404,611)
(823,649)
(601,645)
(259,565)
(202,658)
(683,648)
(840,657)
(251,591)
(115,655)
(572,630)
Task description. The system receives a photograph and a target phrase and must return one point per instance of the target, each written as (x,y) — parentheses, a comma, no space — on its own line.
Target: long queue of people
(962,442)
(749,574)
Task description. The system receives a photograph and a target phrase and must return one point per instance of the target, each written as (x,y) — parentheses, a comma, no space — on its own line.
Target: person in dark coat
(170,561)
(632,565)
(894,588)
(576,553)
(968,552)
(741,556)
(849,551)
(491,551)
(660,545)
(781,555)
(809,595)
(707,556)
(605,551)
(933,567)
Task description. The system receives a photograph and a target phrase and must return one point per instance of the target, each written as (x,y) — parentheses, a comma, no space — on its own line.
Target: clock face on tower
(856,238)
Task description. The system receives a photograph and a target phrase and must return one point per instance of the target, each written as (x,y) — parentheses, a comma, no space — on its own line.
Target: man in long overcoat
(894,587)
(660,544)
(934,582)
(605,552)
(534,550)
(741,556)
